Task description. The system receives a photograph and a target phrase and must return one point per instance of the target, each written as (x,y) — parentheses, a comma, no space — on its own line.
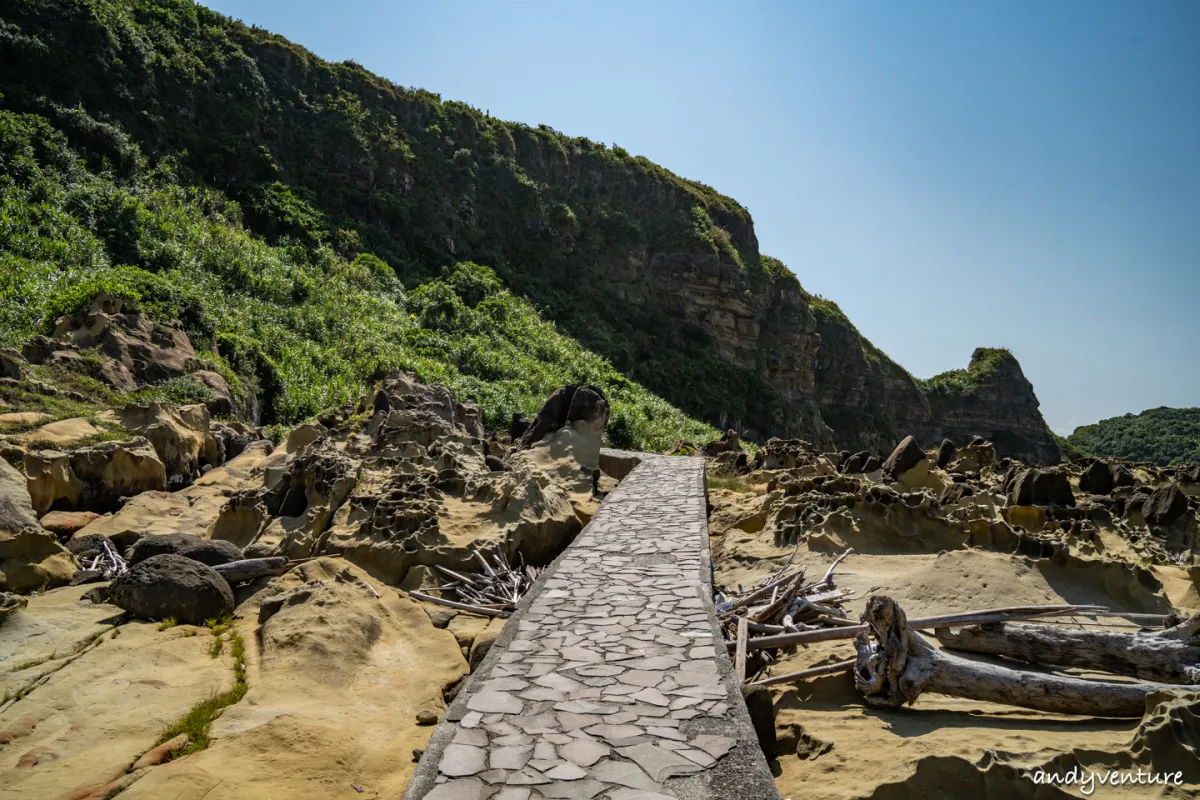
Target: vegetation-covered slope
(305,327)
(1160,436)
(328,158)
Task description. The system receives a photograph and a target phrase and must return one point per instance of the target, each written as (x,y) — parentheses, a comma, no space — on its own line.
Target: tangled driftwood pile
(494,592)
(895,664)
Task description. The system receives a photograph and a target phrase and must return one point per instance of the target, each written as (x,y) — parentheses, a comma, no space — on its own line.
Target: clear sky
(1020,174)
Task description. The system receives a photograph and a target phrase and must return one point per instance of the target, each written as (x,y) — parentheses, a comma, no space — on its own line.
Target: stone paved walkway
(606,684)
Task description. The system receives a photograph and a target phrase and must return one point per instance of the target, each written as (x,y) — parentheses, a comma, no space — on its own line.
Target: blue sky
(1019,174)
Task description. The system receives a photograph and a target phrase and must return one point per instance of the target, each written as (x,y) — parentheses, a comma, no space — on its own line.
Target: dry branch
(487,612)
(252,569)
(895,665)
(1164,656)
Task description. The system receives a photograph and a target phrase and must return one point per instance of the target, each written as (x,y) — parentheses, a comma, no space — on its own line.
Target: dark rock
(1041,487)
(1135,501)
(1190,475)
(1121,476)
(494,463)
(213,553)
(872,463)
(170,585)
(955,492)
(572,403)
(10,364)
(1097,479)
(86,576)
(729,442)
(221,402)
(762,717)
(842,458)
(1165,505)
(946,453)
(906,456)
(89,546)
(520,424)
(150,546)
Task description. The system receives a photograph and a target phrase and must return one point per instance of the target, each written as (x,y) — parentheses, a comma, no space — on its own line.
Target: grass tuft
(197,722)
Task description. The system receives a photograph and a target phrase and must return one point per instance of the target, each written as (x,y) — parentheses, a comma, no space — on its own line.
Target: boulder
(1122,476)
(212,553)
(50,480)
(575,404)
(180,436)
(1041,487)
(150,546)
(729,442)
(113,470)
(1165,505)
(11,364)
(1097,478)
(151,351)
(22,419)
(946,453)
(520,423)
(170,585)
(30,556)
(85,548)
(906,456)
(63,434)
(64,524)
(872,463)
(221,402)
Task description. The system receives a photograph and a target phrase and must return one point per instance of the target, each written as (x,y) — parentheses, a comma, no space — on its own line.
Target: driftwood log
(1169,656)
(895,665)
(251,569)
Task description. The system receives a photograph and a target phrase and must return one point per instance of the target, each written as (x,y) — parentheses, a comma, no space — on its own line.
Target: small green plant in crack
(169,622)
(197,721)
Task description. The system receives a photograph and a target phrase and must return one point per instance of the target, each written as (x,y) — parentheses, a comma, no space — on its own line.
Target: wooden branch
(962,618)
(487,612)
(739,661)
(1158,656)
(757,593)
(804,674)
(828,579)
(252,569)
(895,665)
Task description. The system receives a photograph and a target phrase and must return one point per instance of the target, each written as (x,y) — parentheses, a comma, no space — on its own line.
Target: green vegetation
(1160,436)
(306,220)
(197,721)
(308,329)
(984,362)
(168,623)
(732,483)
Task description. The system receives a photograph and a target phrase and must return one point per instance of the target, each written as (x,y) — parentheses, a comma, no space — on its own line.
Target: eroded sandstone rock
(30,556)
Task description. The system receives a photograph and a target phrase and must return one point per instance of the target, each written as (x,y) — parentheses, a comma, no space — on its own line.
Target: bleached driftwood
(488,612)
(895,665)
(251,569)
(1169,656)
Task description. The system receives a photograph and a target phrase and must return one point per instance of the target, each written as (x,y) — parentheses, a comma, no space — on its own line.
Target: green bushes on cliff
(1159,435)
(984,363)
(331,165)
(306,325)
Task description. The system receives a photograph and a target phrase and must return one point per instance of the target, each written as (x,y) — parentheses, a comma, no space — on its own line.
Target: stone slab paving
(606,682)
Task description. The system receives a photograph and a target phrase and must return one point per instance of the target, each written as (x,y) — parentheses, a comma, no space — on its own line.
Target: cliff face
(661,275)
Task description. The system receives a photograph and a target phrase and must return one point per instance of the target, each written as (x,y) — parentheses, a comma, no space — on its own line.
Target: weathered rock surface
(150,351)
(570,405)
(30,556)
(171,586)
(150,546)
(1165,505)
(181,436)
(904,457)
(1041,487)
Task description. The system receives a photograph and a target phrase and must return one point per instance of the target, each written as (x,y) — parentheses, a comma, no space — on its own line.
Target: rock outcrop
(30,556)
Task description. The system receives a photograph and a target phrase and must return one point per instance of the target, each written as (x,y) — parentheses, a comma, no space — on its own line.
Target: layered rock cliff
(659,274)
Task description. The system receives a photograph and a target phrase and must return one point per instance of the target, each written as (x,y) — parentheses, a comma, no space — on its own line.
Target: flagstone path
(606,682)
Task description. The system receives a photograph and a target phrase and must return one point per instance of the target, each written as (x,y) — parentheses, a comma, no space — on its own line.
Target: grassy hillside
(303,325)
(325,165)
(1160,435)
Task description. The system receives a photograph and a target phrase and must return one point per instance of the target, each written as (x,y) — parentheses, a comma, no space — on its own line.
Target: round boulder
(906,456)
(946,453)
(170,585)
(150,546)
(1165,505)
(213,553)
